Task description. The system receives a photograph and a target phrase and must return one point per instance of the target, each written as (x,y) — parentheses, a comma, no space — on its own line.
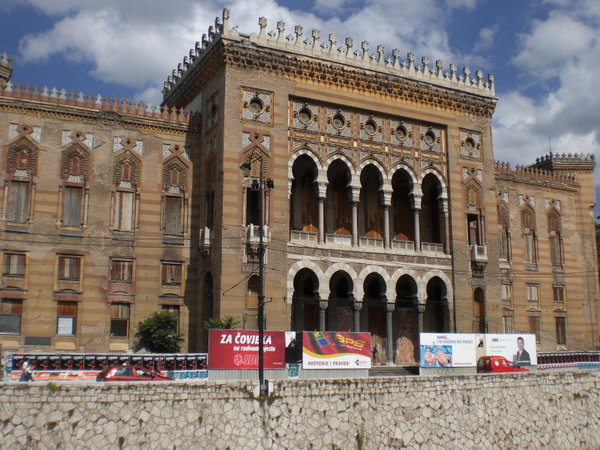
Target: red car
(497,364)
(129,373)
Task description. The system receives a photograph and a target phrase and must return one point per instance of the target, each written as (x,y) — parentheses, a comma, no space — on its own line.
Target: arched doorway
(406,333)
(436,318)
(305,310)
(479,319)
(341,301)
(375,303)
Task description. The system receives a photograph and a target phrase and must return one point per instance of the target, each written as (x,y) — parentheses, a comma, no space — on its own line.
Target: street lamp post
(260,187)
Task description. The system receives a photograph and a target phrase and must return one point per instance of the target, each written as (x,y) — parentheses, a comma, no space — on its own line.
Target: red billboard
(238,349)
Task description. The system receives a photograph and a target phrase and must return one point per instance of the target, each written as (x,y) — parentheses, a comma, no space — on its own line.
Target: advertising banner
(518,348)
(448,350)
(336,350)
(238,349)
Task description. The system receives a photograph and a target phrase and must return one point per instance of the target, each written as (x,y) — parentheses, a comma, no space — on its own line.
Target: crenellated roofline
(329,53)
(61,102)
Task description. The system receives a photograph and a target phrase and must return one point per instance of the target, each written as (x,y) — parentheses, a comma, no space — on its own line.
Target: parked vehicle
(497,364)
(129,373)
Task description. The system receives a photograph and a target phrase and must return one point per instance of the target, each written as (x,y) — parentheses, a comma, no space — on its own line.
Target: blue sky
(544,54)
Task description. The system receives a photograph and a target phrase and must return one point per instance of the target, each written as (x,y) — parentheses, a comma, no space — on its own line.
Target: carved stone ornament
(257,105)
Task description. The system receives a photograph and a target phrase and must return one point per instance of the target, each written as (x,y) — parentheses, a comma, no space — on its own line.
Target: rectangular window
(252,206)
(174,309)
(121,270)
(535,328)
(66,318)
(473,228)
(558,293)
(173,210)
(508,323)
(124,208)
(532,293)
(14,265)
(555,251)
(530,255)
(18,202)
(10,316)
(69,267)
(171,273)
(506,292)
(119,319)
(72,202)
(561,330)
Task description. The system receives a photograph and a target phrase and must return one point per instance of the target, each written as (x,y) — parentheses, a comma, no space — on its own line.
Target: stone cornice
(100,115)
(298,68)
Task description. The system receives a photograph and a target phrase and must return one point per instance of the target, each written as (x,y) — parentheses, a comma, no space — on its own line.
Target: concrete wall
(559,410)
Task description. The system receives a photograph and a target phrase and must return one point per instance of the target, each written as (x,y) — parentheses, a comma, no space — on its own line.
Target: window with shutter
(18,202)
(72,206)
(124,207)
(119,319)
(171,273)
(69,267)
(14,265)
(121,270)
(66,317)
(10,316)
(173,210)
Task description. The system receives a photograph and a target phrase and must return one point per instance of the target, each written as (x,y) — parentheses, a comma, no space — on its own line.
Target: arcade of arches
(393,309)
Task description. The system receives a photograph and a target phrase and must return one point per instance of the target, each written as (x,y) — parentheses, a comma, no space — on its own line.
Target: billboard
(448,349)
(238,349)
(518,348)
(336,350)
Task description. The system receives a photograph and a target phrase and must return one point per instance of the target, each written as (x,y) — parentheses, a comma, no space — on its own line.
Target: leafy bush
(158,333)
(225,322)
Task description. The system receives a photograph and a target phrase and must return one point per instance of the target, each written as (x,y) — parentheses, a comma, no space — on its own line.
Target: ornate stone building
(383,207)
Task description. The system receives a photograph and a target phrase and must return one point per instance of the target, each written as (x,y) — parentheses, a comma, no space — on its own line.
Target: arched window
(529,235)
(503,233)
(555,238)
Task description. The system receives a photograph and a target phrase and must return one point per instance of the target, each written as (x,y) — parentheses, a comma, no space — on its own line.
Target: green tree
(225,322)
(158,333)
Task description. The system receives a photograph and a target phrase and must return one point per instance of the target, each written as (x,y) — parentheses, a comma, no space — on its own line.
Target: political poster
(336,350)
(448,349)
(238,349)
(518,348)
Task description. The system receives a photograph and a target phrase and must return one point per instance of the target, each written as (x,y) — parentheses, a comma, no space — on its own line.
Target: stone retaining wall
(557,410)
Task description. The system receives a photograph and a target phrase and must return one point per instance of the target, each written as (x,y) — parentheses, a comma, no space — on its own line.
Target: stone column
(389,332)
(322,192)
(322,311)
(355,197)
(420,312)
(417,223)
(446,222)
(357,308)
(386,200)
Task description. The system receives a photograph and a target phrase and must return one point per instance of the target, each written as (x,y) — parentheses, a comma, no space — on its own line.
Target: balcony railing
(371,242)
(339,239)
(432,247)
(403,245)
(479,253)
(253,233)
(304,236)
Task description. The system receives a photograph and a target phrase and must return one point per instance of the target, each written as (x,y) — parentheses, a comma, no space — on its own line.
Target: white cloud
(552,42)
(486,38)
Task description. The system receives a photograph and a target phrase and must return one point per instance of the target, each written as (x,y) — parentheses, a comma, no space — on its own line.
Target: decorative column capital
(322,189)
(386,196)
(416,201)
